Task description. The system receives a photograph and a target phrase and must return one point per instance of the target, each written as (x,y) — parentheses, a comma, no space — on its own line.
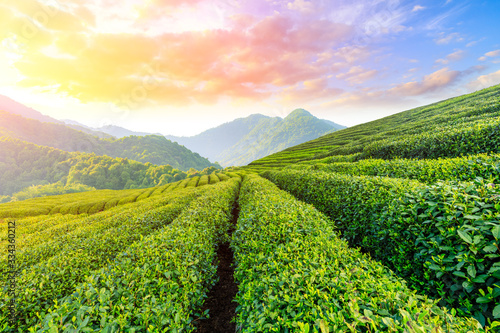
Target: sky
(182,66)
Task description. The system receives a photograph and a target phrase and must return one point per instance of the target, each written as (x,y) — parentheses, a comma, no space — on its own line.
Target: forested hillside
(24,164)
(152,149)
(246,139)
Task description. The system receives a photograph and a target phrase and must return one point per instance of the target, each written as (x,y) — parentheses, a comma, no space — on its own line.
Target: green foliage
(295,274)
(70,256)
(203,180)
(465,168)
(66,202)
(456,232)
(104,172)
(23,165)
(436,237)
(52,189)
(158,283)
(193,181)
(214,178)
(88,202)
(28,226)
(222,176)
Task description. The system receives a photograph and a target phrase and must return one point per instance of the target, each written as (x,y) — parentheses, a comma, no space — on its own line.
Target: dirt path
(220,299)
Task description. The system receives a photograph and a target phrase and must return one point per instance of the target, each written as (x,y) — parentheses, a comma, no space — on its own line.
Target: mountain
(24,164)
(9,105)
(108,130)
(120,132)
(153,149)
(245,139)
(216,140)
(86,129)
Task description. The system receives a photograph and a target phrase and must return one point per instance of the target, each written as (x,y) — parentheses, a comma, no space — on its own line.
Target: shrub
(295,274)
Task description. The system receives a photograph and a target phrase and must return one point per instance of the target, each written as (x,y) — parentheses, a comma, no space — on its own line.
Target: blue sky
(182,66)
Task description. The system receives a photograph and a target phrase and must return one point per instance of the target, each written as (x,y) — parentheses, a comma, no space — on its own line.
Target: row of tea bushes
(33,247)
(55,268)
(295,275)
(465,168)
(157,284)
(443,239)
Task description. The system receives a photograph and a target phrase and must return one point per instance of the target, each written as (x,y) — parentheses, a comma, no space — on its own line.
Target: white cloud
(446,39)
(492,54)
(485,81)
(302,6)
(357,75)
(418,8)
(455,56)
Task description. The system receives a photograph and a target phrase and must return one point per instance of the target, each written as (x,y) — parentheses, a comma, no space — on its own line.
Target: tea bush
(442,239)
(158,283)
(295,275)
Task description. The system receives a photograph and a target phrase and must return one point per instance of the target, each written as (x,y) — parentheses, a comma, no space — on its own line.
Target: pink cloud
(455,56)
(313,90)
(430,83)
(357,75)
(249,61)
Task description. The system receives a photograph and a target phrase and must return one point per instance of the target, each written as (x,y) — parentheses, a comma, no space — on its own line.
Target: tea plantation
(388,226)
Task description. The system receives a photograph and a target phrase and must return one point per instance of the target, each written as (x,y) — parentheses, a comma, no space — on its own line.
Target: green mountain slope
(24,164)
(219,139)
(458,126)
(154,149)
(246,139)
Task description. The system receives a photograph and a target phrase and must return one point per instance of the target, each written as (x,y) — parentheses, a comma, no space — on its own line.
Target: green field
(388,226)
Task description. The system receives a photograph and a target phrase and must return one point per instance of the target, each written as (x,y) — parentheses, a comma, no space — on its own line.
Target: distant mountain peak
(257,116)
(246,139)
(299,113)
(9,105)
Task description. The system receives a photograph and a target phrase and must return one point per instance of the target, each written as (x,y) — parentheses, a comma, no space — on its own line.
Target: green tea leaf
(483,300)
(472,271)
(490,248)
(465,236)
(323,326)
(496,311)
(496,232)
